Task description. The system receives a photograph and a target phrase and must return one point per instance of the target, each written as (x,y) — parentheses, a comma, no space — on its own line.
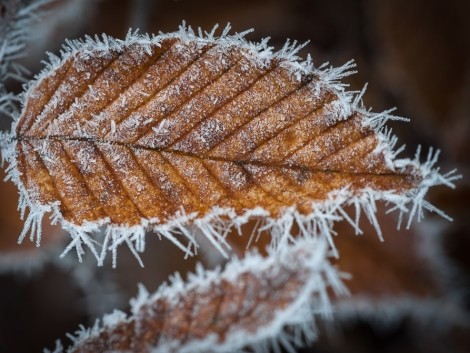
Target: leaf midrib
(63,138)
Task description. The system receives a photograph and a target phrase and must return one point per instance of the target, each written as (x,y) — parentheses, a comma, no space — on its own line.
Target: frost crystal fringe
(217,224)
(270,302)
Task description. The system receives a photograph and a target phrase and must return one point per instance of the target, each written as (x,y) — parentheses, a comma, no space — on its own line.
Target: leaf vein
(154,59)
(185,102)
(158,90)
(238,129)
(211,114)
(80,95)
(118,180)
(292,124)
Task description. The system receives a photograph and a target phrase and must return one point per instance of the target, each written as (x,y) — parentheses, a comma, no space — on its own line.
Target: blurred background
(410,293)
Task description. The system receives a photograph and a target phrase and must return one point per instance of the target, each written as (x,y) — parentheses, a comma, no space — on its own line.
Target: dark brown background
(415,55)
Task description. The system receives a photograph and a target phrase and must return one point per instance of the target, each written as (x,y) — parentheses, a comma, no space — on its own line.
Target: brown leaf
(255,302)
(180,130)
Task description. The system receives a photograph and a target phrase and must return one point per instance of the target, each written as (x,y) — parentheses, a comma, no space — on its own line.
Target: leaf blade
(169,130)
(255,302)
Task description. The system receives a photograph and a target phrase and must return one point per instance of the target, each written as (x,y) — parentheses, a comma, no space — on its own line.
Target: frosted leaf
(181,131)
(257,302)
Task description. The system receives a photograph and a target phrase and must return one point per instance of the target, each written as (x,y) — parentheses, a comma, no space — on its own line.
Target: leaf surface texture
(145,130)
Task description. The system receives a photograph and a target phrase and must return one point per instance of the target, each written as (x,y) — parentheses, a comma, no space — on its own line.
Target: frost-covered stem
(15,30)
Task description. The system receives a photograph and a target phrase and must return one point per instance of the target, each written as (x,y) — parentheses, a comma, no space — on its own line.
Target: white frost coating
(311,302)
(112,319)
(216,225)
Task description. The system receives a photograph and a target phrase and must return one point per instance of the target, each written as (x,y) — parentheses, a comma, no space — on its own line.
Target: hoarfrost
(179,229)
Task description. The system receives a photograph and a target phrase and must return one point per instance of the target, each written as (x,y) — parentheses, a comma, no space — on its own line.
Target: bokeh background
(410,293)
